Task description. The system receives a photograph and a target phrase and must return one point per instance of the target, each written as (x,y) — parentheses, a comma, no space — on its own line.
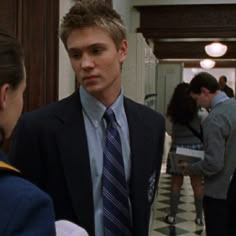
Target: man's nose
(87,62)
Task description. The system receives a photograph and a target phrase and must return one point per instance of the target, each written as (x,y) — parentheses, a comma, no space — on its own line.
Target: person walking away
(186,133)
(218,165)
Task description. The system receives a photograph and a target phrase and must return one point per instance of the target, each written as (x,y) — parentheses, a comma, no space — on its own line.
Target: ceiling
(180,32)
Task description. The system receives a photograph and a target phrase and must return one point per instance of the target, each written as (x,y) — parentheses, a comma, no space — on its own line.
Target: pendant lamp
(207,64)
(215,49)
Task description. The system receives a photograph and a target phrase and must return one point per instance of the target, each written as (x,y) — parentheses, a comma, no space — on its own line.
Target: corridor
(185,225)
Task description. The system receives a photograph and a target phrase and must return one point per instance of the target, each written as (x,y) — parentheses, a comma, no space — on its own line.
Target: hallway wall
(66,74)
(123,8)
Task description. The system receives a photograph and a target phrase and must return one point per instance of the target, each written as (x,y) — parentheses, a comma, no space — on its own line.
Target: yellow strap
(7,166)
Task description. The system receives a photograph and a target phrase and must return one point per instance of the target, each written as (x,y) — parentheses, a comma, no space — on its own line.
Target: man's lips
(90,78)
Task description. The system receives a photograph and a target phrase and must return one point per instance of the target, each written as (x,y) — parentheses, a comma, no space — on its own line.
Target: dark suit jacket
(52,151)
(24,209)
(229,91)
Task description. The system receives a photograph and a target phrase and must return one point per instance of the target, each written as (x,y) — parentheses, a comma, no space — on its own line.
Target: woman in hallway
(186,132)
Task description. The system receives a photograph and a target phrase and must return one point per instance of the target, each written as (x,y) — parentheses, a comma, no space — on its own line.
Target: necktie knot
(109,116)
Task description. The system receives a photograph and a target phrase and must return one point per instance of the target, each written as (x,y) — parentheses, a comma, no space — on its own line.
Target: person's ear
(205,91)
(123,50)
(3,95)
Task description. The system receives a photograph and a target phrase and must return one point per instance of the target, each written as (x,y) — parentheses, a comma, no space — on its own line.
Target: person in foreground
(98,153)
(219,135)
(186,133)
(25,210)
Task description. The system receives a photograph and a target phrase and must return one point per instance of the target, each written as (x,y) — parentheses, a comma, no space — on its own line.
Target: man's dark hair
(224,78)
(206,80)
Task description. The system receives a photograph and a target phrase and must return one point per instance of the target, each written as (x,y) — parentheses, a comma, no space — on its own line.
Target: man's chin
(93,89)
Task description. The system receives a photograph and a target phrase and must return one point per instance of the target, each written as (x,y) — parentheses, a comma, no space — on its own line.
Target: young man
(219,134)
(63,148)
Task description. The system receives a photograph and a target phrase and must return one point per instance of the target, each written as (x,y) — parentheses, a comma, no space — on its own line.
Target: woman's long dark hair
(11,65)
(182,108)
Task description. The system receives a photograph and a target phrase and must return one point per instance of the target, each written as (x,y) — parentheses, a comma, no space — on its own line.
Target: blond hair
(87,13)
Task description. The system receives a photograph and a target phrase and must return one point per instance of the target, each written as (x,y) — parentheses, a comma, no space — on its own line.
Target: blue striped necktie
(116,208)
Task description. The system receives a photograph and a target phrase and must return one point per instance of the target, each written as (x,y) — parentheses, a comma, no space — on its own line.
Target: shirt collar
(94,109)
(118,108)
(219,98)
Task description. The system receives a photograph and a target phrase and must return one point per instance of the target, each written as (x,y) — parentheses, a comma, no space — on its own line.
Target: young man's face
(96,61)
(202,99)
(222,83)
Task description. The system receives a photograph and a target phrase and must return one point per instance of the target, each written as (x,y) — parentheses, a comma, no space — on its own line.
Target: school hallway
(185,225)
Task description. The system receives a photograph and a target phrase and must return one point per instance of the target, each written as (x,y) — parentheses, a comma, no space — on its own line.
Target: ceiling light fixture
(216,49)
(207,64)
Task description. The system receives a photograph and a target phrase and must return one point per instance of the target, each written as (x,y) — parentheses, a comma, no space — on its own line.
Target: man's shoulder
(227,87)
(58,107)
(229,91)
(222,112)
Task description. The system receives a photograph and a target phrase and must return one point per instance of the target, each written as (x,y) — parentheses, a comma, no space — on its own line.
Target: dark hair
(206,80)
(11,65)
(11,60)
(86,13)
(182,108)
(223,77)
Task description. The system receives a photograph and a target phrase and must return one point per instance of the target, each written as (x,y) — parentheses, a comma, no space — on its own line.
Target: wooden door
(35,24)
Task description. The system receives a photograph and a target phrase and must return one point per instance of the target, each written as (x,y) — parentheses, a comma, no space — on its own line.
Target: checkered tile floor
(185,225)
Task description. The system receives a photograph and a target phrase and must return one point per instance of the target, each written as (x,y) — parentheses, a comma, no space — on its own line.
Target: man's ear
(205,91)
(123,50)
(3,95)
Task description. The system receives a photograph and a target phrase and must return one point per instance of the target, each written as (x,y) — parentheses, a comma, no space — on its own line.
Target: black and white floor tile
(185,225)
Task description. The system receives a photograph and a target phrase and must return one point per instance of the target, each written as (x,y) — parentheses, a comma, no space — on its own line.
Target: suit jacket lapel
(74,156)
